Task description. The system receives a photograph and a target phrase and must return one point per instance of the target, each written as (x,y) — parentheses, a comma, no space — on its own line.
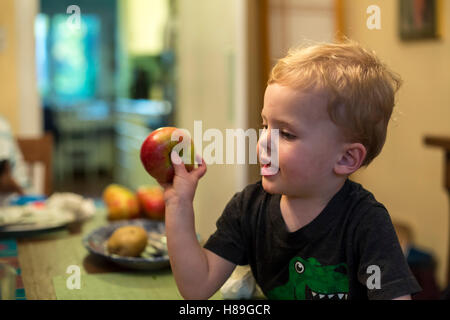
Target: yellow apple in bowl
(121,202)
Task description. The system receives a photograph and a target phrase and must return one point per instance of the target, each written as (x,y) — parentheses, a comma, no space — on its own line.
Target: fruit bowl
(155,259)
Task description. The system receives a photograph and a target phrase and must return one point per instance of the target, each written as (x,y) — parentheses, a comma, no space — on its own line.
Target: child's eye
(287,135)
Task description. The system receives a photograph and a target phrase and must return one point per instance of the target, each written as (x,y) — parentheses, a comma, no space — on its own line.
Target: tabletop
(47,261)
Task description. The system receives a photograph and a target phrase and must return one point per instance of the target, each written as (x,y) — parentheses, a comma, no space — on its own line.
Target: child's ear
(351,159)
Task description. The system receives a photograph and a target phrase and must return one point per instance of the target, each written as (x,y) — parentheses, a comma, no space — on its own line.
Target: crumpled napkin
(82,208)
(241,285)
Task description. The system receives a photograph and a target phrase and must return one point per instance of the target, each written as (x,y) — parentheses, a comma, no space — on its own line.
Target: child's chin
(269,186)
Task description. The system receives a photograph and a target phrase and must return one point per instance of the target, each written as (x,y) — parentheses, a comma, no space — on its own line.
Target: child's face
(309,142)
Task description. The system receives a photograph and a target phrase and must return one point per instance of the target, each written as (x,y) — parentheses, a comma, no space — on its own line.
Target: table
(444,143)
(44,257)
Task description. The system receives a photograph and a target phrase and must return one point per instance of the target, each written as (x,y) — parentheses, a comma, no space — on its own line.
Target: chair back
(39,150)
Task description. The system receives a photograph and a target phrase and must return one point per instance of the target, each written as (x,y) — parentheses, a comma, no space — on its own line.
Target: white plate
(28,218)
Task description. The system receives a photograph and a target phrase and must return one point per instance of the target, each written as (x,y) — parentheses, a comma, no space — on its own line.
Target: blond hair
(361,89)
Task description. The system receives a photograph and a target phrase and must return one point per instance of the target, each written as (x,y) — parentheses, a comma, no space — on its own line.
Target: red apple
(155,154)
(151,201)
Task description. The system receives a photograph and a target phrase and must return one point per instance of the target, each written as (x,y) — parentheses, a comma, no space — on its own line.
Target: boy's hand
(182,189)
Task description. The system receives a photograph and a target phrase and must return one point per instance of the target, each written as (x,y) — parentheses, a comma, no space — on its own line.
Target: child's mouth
(268,170)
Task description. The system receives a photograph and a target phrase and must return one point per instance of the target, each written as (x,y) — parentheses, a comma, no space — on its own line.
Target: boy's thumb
(176,161)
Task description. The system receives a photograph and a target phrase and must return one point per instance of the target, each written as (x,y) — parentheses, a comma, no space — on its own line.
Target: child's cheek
(291,162)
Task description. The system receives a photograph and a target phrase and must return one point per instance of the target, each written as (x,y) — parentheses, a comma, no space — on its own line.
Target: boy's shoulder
(356,193)
(363,208)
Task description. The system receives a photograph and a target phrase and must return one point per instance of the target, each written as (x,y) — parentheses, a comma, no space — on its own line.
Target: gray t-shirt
(349,251)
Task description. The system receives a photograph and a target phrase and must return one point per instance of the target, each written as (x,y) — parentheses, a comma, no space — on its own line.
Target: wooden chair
(39,150)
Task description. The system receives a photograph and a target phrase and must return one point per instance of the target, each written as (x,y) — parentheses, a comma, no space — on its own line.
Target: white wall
(30,111)
(211,88)
(296,22)
(408,175)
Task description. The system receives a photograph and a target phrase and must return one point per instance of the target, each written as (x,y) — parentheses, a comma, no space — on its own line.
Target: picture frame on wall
(418,19)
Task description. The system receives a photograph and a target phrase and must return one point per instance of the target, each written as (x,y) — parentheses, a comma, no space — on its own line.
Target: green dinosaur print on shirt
(309,280)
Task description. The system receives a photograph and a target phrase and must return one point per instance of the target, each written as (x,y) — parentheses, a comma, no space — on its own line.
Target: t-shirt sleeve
(228,241)
(382,265)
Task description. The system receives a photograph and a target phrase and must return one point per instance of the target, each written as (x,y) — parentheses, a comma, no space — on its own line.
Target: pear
(128,241)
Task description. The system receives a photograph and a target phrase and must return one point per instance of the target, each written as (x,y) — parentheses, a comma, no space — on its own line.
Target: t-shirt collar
(316,228)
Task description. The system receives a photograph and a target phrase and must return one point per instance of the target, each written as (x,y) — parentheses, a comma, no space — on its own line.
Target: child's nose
(264,142)
(264,139)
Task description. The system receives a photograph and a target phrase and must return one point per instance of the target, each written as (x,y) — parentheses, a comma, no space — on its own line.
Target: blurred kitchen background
(103,86)
(131,66)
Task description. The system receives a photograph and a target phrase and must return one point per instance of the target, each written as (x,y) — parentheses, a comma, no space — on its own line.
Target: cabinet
(83,141)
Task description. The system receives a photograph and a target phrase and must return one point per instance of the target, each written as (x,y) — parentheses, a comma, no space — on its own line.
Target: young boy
(306,230)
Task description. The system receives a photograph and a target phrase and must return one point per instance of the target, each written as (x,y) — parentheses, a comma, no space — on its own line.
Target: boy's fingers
(201,169)
(180,168)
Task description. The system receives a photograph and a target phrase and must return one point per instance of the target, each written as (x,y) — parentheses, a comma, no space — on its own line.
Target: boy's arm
(198,272)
